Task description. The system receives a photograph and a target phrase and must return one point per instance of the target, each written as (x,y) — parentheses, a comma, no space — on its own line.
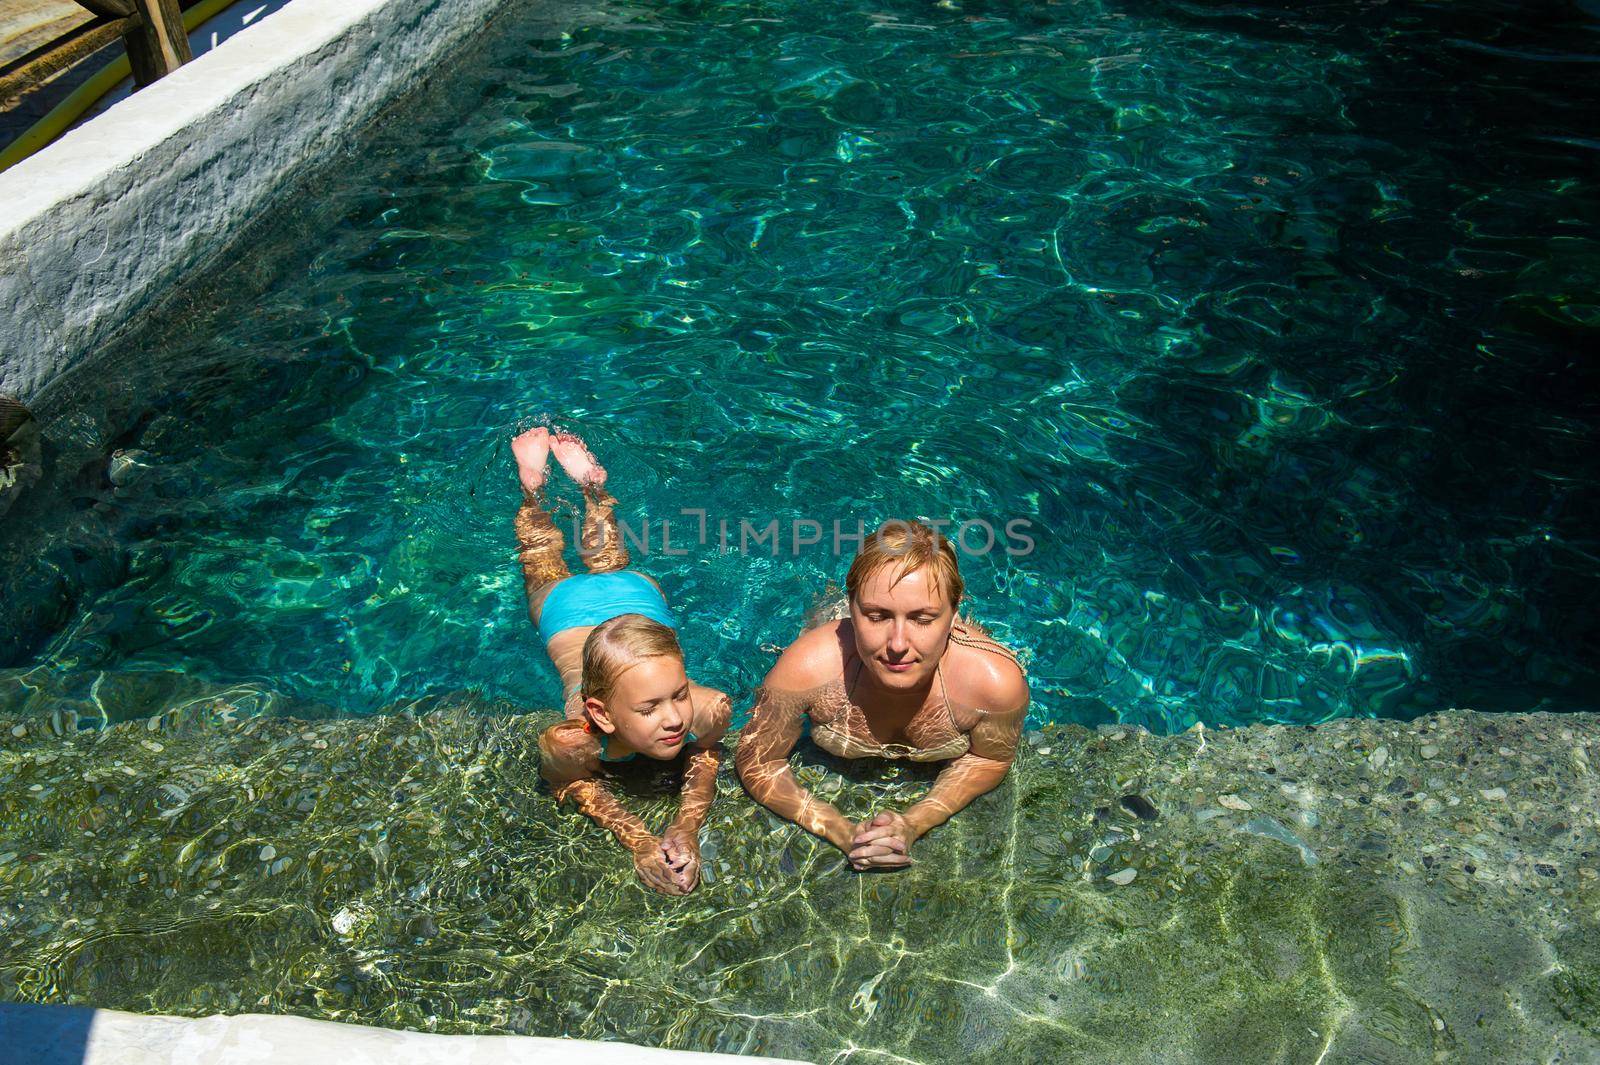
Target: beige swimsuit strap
(944,694)
(844,727)
(987,643)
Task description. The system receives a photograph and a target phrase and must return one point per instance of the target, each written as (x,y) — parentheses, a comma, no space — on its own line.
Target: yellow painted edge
(61,117)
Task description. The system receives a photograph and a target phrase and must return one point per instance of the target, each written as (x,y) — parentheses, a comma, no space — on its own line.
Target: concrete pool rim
(78,1035)
(98,227)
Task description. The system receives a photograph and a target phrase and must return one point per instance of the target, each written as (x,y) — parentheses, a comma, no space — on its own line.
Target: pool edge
(101,224)
(78,1035)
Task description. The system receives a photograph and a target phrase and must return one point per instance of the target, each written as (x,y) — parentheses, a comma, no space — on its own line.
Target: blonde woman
(901,677)
(613,641)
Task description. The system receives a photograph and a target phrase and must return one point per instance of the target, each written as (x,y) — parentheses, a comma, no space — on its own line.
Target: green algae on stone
(407,870)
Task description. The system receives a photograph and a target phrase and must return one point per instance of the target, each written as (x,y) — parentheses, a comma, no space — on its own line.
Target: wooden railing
(151,30)
(19,450)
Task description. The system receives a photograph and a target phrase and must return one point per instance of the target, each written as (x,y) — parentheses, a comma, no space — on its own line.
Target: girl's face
(901,626)
(649,709)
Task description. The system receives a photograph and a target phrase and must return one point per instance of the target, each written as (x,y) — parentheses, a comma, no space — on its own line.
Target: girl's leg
(539,547)
(602,549)
(539,542)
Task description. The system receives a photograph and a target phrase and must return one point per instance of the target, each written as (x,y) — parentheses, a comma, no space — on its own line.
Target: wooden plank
(12,416)
(159,44)
(109,8)
(47,60)
(27,24)
(19,450)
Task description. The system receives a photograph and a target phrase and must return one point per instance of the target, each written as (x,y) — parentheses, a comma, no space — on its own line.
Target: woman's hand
(650,862)
(681,849)
(882,843)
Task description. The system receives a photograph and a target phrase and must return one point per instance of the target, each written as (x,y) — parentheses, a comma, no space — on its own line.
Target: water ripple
(1265,321)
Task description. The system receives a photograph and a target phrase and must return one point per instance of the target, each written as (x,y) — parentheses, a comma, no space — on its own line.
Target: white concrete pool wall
(102,223)
(68,1035)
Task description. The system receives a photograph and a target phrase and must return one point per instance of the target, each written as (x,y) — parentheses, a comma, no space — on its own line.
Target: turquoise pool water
(1269,320)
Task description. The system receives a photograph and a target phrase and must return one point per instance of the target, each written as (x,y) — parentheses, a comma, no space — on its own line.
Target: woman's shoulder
(990,673)
(968,632)
(815,658)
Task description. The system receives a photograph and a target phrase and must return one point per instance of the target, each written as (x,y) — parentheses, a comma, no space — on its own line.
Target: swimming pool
(1264,323)
(1267,321)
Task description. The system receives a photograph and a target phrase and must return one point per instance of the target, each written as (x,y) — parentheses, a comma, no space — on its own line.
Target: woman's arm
(963,780)
(763,764)
(569,761)
(885,842)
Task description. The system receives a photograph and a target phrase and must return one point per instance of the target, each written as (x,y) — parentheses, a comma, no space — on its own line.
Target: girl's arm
(570,762)
(705,756)
(681,841)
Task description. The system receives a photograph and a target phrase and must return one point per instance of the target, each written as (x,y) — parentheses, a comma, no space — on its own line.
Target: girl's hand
(882,843)
(650,862)
(682,852)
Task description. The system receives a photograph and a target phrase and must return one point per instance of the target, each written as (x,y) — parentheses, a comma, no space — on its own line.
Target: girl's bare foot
(575,458)
(532,450)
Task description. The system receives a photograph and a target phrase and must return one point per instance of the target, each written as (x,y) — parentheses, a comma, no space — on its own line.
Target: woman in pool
(901,677)
(612,639)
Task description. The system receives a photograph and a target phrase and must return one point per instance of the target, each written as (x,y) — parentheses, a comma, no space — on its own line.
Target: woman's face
(649,708)
(901,626)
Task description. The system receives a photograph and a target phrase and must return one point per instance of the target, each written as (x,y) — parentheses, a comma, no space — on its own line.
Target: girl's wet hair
(621,642)
(909,545)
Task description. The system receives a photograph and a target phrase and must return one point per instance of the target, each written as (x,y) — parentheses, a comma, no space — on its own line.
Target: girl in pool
(612,639)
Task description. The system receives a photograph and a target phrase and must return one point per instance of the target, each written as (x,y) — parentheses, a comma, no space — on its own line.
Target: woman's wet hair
(910,546)
(621,642)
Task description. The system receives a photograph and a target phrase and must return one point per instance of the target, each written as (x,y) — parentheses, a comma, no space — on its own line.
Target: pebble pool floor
(1266,320)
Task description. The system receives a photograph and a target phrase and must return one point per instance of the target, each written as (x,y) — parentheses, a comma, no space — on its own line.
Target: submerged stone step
(407,870)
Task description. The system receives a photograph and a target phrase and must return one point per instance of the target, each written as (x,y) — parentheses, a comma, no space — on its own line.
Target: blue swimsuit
(590,598)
